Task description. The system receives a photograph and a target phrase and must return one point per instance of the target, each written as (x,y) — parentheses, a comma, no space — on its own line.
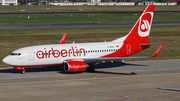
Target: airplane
(79,57)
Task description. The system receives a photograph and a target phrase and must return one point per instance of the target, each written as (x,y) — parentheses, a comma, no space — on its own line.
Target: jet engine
(75,66)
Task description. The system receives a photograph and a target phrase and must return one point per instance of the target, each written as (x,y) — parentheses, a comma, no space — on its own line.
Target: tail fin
(140,31)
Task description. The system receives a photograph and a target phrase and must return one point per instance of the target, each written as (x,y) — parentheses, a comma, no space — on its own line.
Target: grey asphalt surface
(110,82)
(82,25)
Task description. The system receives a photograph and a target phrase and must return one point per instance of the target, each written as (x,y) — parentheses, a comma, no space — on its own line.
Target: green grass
(11,40)
(64,18)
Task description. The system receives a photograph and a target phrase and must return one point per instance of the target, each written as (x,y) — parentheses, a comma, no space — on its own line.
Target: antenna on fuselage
(73,42)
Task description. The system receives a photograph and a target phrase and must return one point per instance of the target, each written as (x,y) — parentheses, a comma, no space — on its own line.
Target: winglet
(63,38)
(158,51)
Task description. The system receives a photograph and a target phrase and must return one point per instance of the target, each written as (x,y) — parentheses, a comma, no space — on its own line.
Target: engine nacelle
(75,66)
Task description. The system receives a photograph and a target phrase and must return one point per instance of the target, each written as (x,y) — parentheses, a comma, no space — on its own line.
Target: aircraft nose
(6,60)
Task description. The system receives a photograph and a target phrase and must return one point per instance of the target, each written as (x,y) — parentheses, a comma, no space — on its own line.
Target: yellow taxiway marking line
(119,93)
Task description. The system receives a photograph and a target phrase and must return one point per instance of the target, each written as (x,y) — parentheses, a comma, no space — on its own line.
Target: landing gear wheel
(23,71)
(91,69)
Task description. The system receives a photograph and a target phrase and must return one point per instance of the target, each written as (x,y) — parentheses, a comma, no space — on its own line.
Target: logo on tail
(145,24)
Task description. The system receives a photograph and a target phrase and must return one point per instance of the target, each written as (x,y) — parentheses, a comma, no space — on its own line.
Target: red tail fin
(140,31)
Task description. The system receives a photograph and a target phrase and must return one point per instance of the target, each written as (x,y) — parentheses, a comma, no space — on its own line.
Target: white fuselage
(58,53)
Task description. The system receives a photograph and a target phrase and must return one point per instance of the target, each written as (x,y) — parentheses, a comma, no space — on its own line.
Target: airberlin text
(75,52)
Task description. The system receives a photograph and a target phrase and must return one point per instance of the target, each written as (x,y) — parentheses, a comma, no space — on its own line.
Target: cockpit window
(12,53)
(16,54)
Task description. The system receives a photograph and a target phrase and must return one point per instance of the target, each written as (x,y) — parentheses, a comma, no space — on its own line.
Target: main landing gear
(90,69)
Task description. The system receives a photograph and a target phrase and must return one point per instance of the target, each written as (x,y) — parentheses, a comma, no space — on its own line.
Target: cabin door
(31,55)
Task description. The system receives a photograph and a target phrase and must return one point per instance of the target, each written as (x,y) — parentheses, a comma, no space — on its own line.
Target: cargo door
(128,49)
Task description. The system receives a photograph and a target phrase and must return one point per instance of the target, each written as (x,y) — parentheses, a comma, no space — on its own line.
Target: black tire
(91,69)
(23,71)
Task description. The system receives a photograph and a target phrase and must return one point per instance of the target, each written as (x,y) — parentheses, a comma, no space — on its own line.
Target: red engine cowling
(75,66)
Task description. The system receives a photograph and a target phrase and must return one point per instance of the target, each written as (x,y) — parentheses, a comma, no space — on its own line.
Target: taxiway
(134,80)
(82,25)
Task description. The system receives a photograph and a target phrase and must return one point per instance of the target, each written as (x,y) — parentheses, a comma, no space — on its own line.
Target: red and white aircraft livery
(79,57)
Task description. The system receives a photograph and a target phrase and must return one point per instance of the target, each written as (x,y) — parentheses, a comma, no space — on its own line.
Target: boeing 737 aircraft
(79,57)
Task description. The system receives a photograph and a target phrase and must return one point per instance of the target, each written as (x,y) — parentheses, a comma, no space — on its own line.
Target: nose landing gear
(23,71)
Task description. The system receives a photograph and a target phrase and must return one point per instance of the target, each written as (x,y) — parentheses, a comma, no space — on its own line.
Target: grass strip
(64,18)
